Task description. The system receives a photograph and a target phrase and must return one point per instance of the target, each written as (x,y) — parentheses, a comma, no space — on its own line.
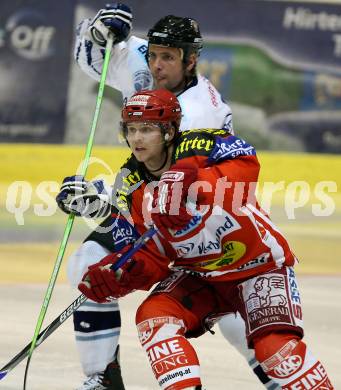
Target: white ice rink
(55,366)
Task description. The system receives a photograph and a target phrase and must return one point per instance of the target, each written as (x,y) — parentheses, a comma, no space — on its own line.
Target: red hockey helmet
(158,106)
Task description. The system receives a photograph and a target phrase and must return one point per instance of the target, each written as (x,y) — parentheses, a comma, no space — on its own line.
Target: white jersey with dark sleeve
(128,72)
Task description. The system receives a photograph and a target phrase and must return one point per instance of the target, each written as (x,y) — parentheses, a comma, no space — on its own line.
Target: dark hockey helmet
(158,106)
(176,31)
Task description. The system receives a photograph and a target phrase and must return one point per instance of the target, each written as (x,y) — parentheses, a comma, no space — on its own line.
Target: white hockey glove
(116,18)
(90,199)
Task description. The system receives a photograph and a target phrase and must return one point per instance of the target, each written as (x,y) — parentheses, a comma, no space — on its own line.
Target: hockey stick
(71,217)
(44,334)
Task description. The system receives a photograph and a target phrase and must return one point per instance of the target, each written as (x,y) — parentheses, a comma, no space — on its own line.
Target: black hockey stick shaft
(44,334)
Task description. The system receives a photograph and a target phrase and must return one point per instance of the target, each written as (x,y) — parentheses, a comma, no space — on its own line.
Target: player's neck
(158,171)
(187,83)
(182,86)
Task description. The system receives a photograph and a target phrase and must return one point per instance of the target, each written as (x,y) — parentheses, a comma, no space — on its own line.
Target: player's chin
(162,83)
(140,156)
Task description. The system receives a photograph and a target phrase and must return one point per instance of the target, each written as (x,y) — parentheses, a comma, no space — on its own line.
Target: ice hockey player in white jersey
(167,60)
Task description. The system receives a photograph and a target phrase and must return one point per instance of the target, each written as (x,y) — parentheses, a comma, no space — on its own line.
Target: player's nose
(157,63)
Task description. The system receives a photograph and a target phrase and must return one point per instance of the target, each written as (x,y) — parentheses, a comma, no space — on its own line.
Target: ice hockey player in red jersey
(222,255)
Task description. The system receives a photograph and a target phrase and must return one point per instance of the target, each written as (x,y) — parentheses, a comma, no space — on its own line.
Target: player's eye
(147,129)
(131,130)
(167,57)
(151,56)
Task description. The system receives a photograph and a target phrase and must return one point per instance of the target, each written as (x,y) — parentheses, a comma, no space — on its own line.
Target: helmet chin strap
(164,163)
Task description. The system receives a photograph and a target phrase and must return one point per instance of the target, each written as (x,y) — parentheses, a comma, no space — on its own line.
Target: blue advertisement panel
(35,51)
(277,63)
(297,31)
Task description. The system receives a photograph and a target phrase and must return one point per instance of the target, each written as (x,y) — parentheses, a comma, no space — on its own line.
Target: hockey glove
(116,18)
(170,198)
(83,198)
(101,283)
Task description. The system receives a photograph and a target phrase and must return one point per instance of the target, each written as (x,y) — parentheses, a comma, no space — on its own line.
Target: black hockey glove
(83,198)
(116,18)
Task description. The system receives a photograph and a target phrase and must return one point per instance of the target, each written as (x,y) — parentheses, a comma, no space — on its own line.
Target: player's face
(167,67)
(146,143)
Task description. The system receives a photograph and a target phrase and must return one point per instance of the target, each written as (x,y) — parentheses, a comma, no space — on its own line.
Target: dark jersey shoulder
(131,176)
(127,180)
(131,170)
(135,171)
(197,142)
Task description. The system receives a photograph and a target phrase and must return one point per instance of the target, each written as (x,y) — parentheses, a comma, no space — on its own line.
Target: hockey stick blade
(43,335)
(71,309)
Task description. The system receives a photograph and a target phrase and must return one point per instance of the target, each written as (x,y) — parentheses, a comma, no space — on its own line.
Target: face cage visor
(163,126)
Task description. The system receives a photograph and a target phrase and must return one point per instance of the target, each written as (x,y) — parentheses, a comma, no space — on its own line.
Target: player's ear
(169,136)
(191,62)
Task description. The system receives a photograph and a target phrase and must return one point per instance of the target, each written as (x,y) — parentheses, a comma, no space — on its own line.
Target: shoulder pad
(197,142)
